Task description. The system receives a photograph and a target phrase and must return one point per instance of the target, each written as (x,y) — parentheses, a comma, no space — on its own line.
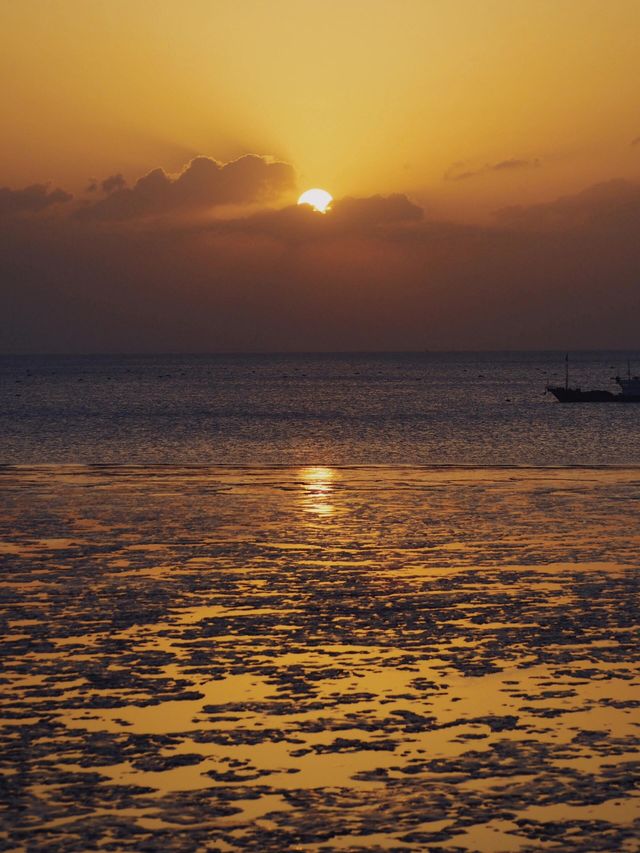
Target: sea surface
(318,603)
(332,409)
(319,659)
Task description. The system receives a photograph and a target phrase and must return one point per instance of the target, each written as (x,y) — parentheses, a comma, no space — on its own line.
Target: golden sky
(361,96)
(484,157)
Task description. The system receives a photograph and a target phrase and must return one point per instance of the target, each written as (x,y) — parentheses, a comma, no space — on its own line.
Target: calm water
(425,408)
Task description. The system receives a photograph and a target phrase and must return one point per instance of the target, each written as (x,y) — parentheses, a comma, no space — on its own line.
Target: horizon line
(240,352)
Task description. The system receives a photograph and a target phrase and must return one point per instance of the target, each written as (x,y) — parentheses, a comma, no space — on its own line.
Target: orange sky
(484,156)
(362,96)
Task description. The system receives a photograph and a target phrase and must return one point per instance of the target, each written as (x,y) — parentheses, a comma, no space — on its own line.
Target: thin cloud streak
(460,172)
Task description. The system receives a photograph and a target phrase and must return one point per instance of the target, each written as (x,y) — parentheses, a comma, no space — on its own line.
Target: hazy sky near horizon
(484,158)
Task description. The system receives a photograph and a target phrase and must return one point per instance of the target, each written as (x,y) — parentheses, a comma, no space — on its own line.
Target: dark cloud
(514,163)
(368,276)
(113,183)
(204,183)
(374,215)
(460,171)
(376,210)
(606,205)
(31,199)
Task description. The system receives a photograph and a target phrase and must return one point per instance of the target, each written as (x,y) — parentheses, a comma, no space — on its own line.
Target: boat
(576,395)
(630,390)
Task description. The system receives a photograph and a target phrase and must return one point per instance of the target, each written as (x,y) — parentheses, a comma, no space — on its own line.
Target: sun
(318,199)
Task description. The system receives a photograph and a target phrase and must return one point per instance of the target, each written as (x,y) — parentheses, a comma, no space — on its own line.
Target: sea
(363,602)
(419,408)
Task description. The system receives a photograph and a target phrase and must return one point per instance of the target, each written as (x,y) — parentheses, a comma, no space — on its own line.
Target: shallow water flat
(365,658)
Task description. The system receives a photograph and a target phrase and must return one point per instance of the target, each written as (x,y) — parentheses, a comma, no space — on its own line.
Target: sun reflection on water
(318,485)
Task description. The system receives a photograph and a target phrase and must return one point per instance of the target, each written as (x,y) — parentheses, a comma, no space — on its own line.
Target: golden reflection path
(318,485)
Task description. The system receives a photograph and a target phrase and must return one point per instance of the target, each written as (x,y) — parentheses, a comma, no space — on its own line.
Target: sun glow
(318,199)
(317,484)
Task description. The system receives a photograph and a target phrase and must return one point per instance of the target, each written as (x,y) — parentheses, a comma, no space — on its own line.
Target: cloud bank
(113,183)
(32,199)
(204,183)
(376,273)
(606,205)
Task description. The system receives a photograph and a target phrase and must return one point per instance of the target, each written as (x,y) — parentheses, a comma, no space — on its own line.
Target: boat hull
(575,395)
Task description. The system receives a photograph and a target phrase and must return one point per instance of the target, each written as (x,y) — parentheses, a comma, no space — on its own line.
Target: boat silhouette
(630,392)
